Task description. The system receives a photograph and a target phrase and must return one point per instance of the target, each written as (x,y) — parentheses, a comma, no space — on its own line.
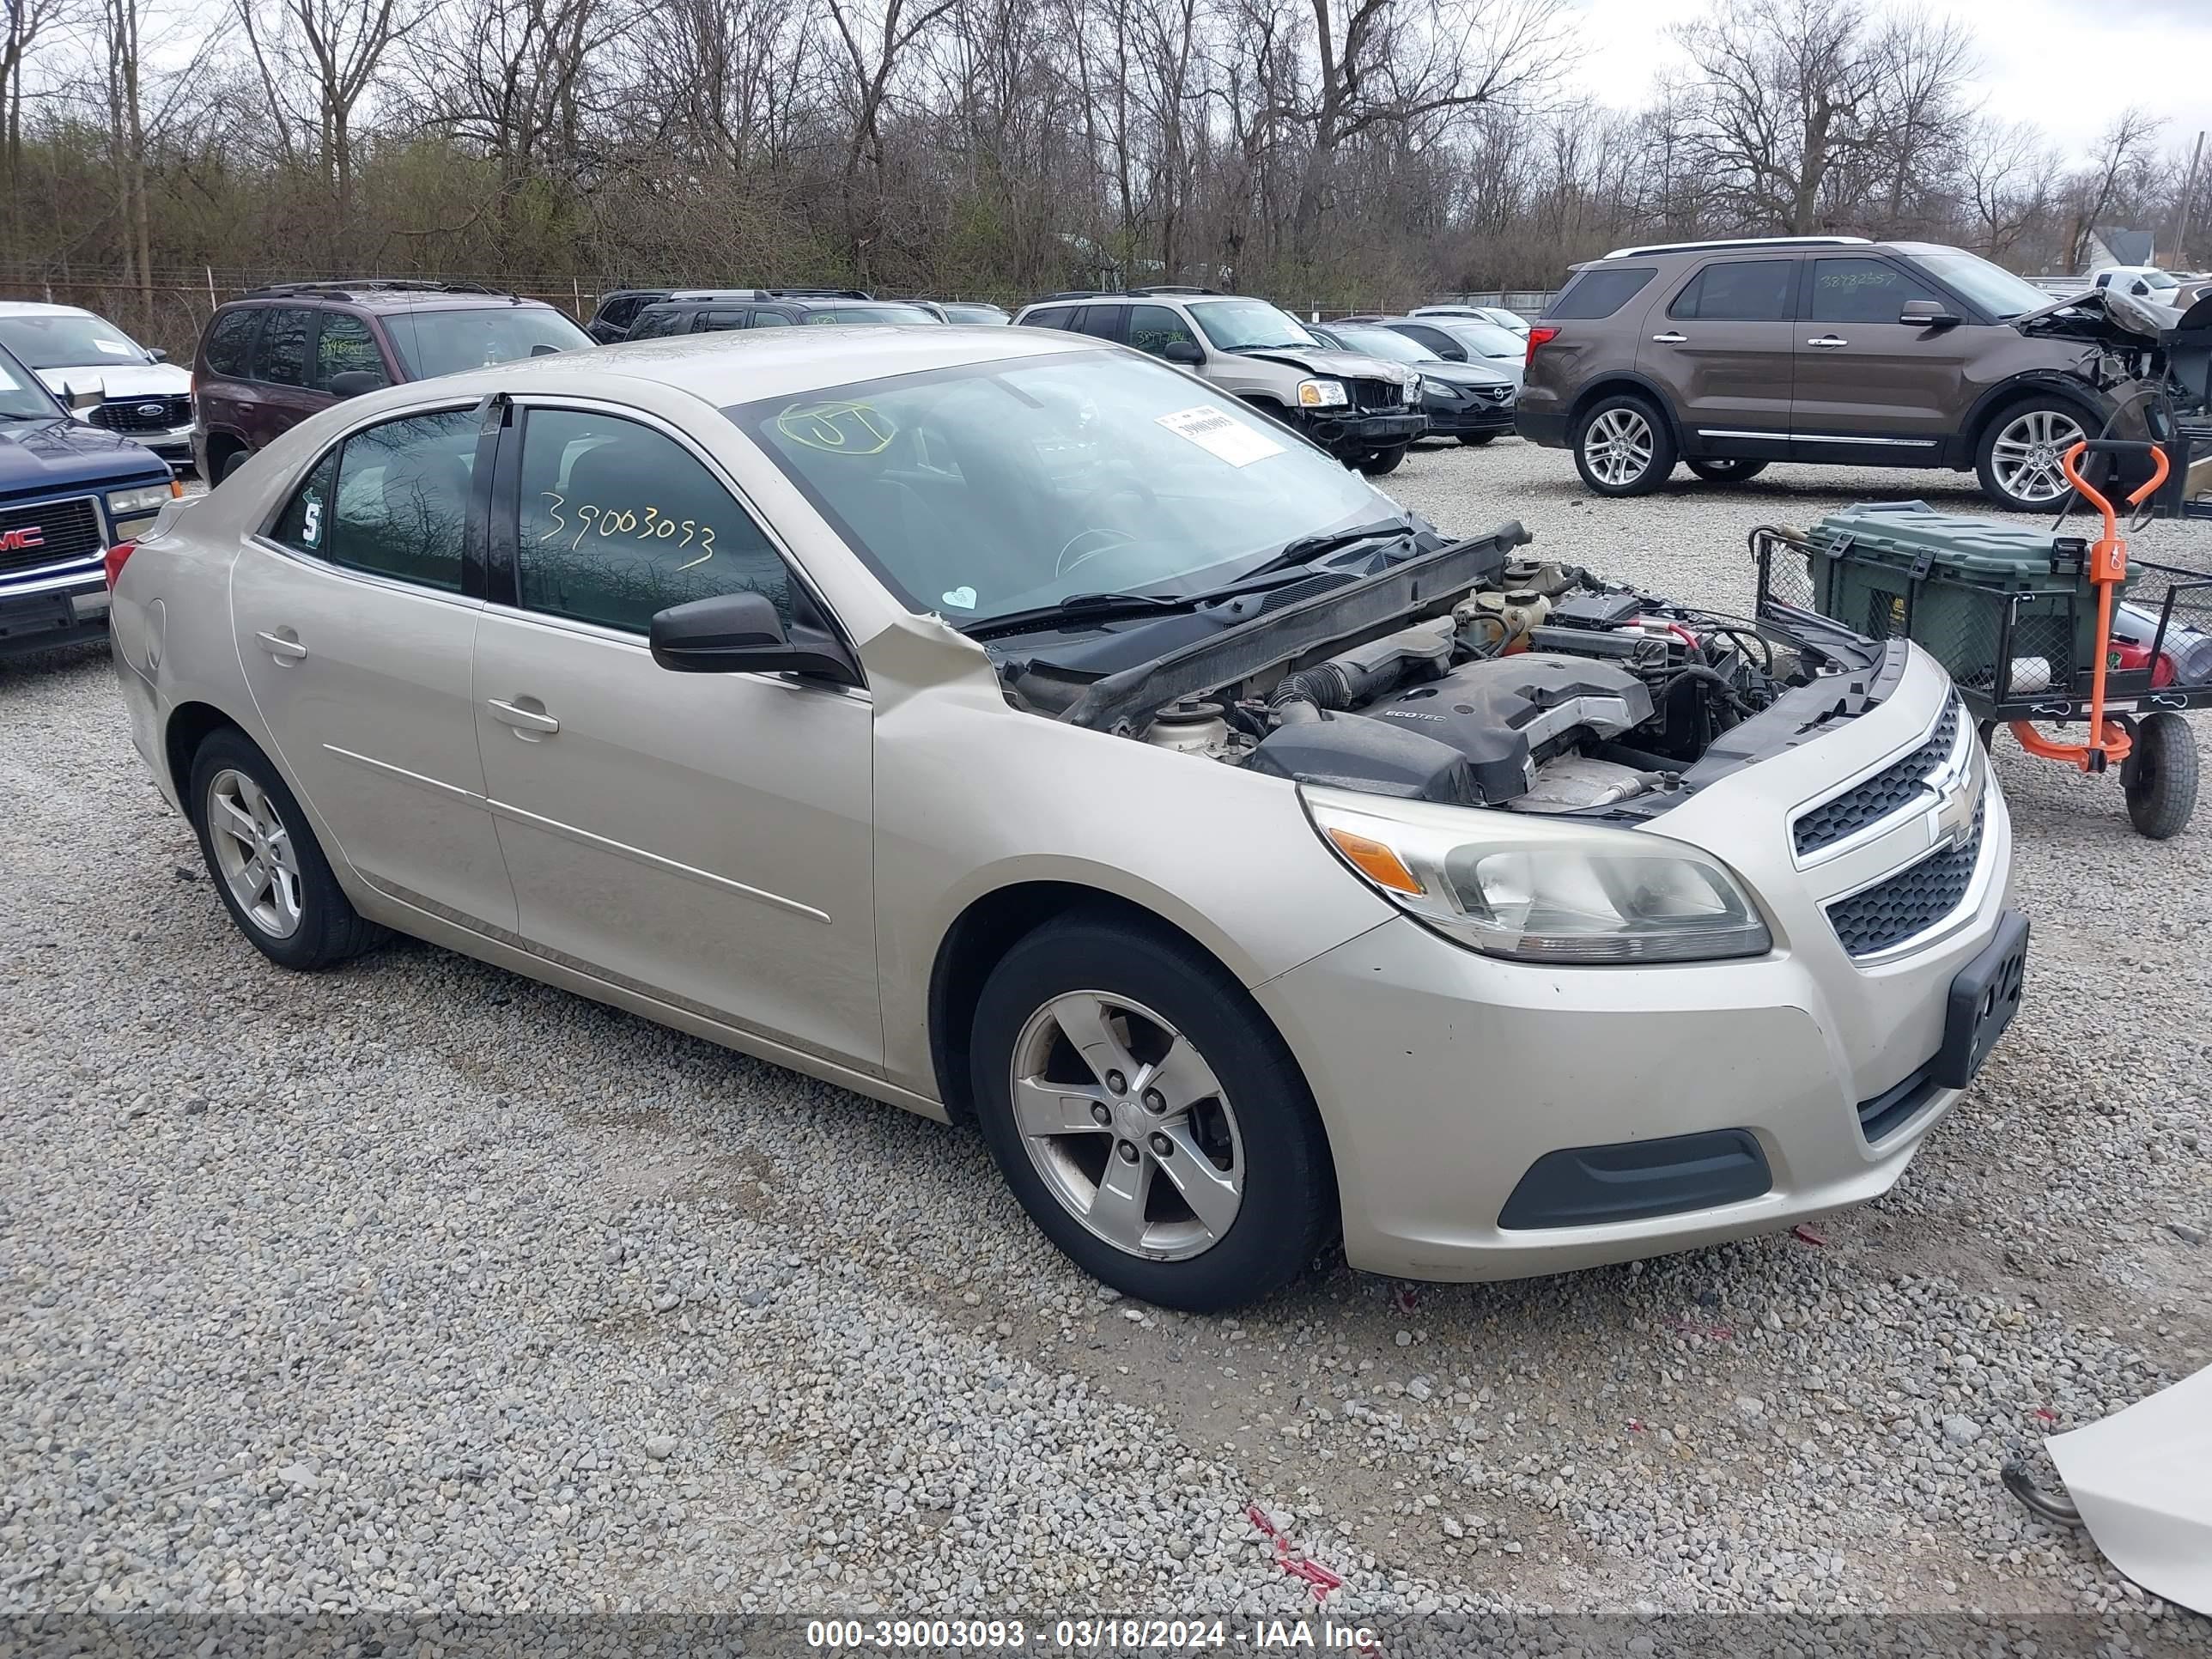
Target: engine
(1553,692)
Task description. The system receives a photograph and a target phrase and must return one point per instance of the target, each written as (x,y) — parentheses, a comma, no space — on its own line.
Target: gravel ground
(420,1286)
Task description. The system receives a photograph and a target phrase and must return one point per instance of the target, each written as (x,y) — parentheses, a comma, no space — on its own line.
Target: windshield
(433,342)
(998,487)
(22,396)
(1384,343)
(1483,339)
(69,340)
(1992,287)
(892,312)
(1249,325)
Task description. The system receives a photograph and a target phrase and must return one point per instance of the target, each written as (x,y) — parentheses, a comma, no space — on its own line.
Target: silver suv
(1362,409)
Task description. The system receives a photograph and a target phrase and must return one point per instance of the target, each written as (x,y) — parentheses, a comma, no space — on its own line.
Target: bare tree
(2126,157)
(873,50)
(2008,172)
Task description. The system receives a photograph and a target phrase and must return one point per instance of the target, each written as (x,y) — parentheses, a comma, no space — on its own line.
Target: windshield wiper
(1305,548)
(1088,607)
(20,415)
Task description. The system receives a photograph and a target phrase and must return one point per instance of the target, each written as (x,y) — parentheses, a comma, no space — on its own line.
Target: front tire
(1624,447)
(1727,469)
(2017,459)
(2160,776)
(264,860)
(1147,1117)
(1377,462)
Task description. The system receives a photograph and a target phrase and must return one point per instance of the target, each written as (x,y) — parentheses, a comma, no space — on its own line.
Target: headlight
(1436,387)
(1322,394)
(123,503)
(1536,889)
(1413,389)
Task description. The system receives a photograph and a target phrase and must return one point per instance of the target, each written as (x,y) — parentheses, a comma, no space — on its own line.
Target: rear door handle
(1669,337)
(526,720)
(281,647)
(1828,342)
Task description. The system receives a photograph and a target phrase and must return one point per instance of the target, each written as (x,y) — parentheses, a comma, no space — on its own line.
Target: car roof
(739,365)
(37,308)
(387,299)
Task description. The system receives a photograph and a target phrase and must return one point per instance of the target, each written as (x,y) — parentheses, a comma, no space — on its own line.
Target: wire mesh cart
(2034,627)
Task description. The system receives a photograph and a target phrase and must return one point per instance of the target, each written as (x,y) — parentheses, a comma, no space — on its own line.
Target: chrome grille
(1907,904)
(1889,791)
(1374,395)
(129,414)
(66,531)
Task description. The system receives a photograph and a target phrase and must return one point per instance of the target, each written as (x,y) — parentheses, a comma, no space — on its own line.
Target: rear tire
(1727,469)
(2160,776)
(1266,1199)
(265,861)
(1377,462)
(230,463)
(1624,447)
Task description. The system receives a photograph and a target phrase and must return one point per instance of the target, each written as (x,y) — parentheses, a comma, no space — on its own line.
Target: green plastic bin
(1896,569)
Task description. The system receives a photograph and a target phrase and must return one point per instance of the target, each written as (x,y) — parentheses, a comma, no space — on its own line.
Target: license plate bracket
(1985,996)
(23,615)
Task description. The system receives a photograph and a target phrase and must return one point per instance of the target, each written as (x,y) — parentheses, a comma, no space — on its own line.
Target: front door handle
(1827,342)
(523,720)
(1669,337)
(281,646)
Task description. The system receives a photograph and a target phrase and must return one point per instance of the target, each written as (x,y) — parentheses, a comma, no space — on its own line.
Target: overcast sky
(2068,65)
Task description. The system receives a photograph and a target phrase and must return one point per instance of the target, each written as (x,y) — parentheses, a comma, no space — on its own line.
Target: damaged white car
(1016,729)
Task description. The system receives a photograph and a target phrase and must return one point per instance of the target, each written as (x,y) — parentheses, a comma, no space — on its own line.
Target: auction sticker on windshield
(1219,433)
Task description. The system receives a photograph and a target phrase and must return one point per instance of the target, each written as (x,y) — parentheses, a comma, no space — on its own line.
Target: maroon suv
(268,360)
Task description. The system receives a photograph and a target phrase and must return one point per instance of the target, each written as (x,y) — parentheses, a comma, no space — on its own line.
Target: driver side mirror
(1927,313)
(154,354)
(80,397)
(1186,352)
(741,633)
(354,381)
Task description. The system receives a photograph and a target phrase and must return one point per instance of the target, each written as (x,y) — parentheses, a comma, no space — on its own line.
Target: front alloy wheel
(2021,457)
(1127,1126)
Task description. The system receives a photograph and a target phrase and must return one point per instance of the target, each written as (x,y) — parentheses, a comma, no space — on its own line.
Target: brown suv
(268,360)
(1831,349)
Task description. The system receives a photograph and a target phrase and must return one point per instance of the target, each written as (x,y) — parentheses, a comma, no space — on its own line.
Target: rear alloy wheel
(1147,1117)
(1377,462)
(1727,469)
(2022,451)
(1624,447)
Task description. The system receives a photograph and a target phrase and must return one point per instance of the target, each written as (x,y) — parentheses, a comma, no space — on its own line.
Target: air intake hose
(1362,673)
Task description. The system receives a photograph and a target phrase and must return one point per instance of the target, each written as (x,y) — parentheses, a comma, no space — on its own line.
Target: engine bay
(1539,687)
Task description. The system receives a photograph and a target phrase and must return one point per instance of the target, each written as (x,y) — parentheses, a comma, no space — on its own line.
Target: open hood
(1320,359)
(2102,316)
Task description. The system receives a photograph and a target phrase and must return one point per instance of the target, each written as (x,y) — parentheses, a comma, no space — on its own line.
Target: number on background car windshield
(619,521)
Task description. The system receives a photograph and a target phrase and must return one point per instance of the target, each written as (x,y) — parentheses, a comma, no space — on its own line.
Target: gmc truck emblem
(14,541)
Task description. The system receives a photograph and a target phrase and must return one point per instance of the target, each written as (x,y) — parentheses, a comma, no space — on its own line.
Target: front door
(1870,388)
(700,839)
(1723,349)
(357,641)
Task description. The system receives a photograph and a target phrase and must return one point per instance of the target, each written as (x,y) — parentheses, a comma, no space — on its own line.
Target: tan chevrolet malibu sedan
(1017,730)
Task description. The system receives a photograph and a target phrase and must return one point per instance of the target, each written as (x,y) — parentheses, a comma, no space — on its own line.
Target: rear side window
(402,503)
(281,355)
(655,322)
(346,347)
(1601,292)
(306,519)
(1740,291)
(1057,317)
(1862,291)
(230,341)
(715,321)
(619,521)
(1101,322)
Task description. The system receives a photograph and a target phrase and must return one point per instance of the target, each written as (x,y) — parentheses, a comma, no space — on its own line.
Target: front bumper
(49,614)
(1360,433)
(1446,422)
(1444,1076)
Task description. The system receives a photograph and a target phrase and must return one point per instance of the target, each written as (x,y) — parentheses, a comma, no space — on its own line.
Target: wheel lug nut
(1162,1145)
(1155,1100)
(1129,1149)
(1102,1113)
(1117,1082)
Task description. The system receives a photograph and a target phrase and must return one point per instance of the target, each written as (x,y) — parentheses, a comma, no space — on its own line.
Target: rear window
(1601,292)
(229,341)
(433,343)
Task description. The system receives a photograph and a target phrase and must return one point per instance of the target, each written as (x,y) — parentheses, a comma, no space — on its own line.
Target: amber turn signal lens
(1376,861)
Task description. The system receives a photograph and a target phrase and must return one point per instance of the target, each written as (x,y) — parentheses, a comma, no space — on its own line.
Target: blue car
(68,492)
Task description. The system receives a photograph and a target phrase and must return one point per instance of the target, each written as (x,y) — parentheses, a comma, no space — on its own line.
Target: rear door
(1722,346)
(281,395)
(1870,388)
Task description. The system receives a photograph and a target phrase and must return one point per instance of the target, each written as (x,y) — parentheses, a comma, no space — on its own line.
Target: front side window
(69,340)
(995,486)
(1864,291)
(619,521)
(281,355)
(401,505)
(1249,325)
(433,343)
(1740,291)
(1153,328)
(230,341)
(346,347)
